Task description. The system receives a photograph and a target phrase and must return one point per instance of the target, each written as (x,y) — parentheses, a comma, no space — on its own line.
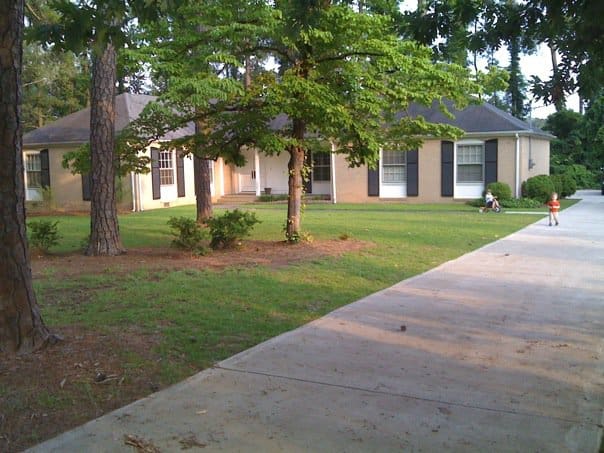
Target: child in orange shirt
(554,207)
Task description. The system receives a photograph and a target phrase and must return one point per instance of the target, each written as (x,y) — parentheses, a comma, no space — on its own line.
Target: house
(495,147)
(169,183)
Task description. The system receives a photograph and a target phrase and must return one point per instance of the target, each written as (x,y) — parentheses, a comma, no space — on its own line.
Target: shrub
(189,235)
(501,190)
(538,187)
(43,234)
(521,203)
(584,178)
(564,184)
(232,226)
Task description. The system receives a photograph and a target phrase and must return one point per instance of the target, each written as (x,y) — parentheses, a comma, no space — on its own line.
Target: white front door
(247,173)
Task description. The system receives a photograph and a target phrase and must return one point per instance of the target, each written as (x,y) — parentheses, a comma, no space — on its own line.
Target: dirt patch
(250,253)
(94,372)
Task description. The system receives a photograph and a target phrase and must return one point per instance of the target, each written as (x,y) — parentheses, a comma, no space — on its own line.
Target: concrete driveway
(499,350)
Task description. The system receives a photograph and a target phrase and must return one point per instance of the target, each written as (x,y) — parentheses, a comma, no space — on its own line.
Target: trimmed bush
(501,190)
(538,187)
(226,230)
(43,235)
(521,203)
(188,234)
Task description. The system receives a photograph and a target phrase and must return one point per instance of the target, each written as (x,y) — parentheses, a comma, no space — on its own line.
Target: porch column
(332,156)
(257,171)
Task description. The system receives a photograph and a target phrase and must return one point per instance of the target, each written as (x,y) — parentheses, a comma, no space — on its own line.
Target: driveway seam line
(404,395)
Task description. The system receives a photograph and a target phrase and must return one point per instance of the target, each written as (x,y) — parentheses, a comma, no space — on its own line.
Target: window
(166,168)
(321,166)
(394,167)
(470,163)
(33,169)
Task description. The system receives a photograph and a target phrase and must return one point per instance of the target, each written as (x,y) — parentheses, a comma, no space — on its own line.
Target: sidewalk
(499,350)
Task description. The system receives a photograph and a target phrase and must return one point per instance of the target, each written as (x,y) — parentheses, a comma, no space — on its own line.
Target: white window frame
(393,164)
(473,162)
(166,168)
(324,164)
(28,170)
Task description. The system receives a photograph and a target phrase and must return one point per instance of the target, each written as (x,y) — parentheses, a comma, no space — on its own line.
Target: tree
(342,79)
(21,326)
(55,84)
(574,31)
(96,27)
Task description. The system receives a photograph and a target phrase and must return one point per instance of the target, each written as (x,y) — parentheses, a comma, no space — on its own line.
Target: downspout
(133,191)
(334,198)
(517,176)
(221,174)
(140,191)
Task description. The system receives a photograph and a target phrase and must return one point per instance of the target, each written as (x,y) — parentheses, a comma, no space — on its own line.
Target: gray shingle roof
(474,119)
(477,119)
(75,128)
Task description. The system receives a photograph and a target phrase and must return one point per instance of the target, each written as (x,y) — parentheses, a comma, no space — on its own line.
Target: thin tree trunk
(21,326)
(295,185)
(203,194)
(104,228)
(557,90)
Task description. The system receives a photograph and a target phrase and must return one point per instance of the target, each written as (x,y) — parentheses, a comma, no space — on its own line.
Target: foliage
(269,198)
(189,235)
(226,230)
(592,135)
(501,190)
(564,184)
(521,203)
(55,84)
(573,29)
(584,178)
(43,234)
(539,187)
(126,160)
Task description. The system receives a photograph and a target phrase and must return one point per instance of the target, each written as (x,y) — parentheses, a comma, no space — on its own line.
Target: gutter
(334,198)
(517,165)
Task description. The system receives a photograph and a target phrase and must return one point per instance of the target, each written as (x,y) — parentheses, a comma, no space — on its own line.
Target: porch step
(237,198)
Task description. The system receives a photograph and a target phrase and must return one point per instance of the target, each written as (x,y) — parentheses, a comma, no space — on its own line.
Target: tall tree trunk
(295,184)
(104,228)
(557,90)
(514,88)
(21,326)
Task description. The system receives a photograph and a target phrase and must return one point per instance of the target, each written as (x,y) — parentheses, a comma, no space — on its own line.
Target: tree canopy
(335,78)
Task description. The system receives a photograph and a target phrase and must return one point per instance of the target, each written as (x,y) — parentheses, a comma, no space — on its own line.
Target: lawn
(131,332)
(229,310)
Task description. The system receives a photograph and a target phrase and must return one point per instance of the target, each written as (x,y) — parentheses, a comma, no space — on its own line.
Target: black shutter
(180,174)
(373,181)
(308,179)
(86,186)
(412,173)
(155,181)
(490,162)
(45,168)
(446,169)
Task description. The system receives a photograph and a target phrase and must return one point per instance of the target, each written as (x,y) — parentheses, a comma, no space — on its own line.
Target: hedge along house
(170,181)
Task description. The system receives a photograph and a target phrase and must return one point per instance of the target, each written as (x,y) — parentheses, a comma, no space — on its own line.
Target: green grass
(205,316)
